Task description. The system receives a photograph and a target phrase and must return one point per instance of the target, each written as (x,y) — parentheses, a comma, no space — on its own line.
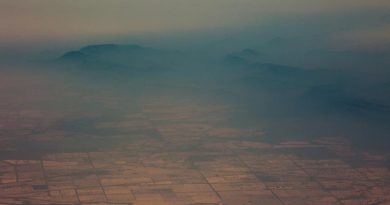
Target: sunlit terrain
(176,151)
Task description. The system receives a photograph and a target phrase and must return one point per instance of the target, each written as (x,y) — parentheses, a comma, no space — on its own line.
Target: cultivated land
(176,151)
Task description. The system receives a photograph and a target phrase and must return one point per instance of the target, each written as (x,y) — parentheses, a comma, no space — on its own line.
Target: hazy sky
(40,20)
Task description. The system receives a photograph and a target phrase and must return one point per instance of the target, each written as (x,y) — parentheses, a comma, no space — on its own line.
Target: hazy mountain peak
(92,51)
(244,57)
(109,48)
(73,56)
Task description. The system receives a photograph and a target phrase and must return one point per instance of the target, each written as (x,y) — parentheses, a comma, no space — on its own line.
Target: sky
(26,22)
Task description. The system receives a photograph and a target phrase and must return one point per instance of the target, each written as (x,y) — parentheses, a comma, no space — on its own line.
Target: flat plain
(177,151)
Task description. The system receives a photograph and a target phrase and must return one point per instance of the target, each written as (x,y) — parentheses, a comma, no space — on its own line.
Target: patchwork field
(174,151)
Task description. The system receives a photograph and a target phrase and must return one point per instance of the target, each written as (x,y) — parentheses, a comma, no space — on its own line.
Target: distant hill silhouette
(104,48)
(116,57)
(74,56)
(317,89)
(96,51)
